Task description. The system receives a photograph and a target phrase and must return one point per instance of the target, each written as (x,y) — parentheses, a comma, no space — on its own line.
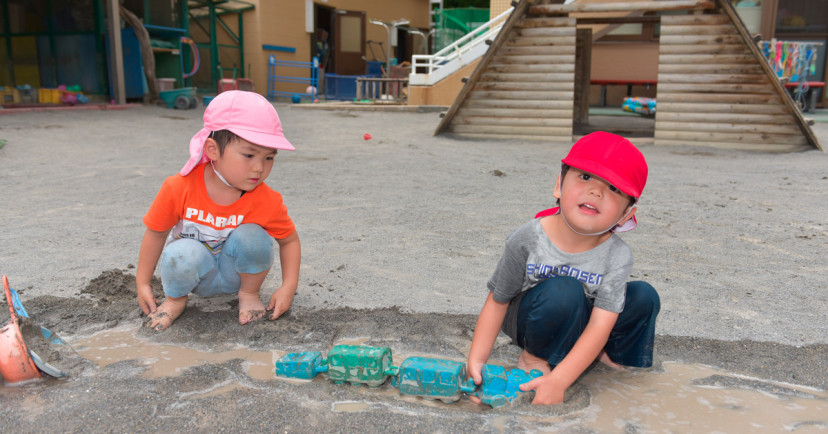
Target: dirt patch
(211,324)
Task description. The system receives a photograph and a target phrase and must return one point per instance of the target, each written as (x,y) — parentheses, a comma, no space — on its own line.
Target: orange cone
(15,363)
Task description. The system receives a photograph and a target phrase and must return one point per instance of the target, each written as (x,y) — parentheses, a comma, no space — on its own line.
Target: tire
(193,102)
(182,102)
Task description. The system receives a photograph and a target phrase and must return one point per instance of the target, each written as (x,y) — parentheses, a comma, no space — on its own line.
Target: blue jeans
(553,315)
(187,266)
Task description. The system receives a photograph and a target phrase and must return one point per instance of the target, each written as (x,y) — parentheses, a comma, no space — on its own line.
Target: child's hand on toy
(473,371)
(280,302)
(547,390)
(146,299)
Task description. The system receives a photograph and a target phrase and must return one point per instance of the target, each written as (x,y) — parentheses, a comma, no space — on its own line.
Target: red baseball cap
(612,158)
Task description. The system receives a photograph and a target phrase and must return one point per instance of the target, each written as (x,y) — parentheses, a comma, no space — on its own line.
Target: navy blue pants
(553,314)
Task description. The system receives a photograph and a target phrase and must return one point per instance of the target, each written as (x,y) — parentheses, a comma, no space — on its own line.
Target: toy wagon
(183,98)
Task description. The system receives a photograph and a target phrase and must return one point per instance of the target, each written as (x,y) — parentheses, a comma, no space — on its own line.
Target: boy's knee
(642,294)
(252,247)
(183,264)
(250,238)
(182,256)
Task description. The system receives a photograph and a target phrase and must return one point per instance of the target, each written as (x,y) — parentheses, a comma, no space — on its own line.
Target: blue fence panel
(273,78)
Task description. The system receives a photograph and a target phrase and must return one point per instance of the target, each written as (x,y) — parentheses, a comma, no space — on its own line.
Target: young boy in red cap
(213,224)
(560,290)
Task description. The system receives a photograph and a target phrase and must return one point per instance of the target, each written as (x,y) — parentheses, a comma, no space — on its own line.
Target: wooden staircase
(523,87)
(714,87)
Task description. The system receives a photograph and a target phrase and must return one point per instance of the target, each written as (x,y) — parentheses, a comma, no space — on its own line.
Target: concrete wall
(444,92)
(615,61)
(496,7)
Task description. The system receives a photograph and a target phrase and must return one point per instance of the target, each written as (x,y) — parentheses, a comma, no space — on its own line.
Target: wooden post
(147,57)
(583,62)
(116,53)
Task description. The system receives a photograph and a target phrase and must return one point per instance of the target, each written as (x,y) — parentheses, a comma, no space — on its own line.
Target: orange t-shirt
(184,206)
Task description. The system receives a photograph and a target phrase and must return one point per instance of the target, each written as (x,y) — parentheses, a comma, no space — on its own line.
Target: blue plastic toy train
(430,378)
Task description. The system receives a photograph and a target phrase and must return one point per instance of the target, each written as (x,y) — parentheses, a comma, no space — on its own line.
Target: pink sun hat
(246,114)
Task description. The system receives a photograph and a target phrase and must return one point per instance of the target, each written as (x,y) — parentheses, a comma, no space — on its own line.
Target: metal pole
(214,60)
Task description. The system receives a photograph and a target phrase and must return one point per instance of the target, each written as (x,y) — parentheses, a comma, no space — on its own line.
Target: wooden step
(704,137)
(462,118)
(521,86)
(729,118)
(714,126)
(519,95)
(719,98)
(703,49)
(692,108)
(528,77)
(564,104)
(765,88)
(511,130)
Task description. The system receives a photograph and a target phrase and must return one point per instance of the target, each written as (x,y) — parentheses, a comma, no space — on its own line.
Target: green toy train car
(357,364)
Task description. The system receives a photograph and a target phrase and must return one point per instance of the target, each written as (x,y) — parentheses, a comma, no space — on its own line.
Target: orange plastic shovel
(16,364)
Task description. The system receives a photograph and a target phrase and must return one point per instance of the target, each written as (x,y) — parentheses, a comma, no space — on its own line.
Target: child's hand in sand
(146,299)
(280,302)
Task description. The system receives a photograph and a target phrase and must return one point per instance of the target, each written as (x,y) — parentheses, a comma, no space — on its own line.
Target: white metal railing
(428,69)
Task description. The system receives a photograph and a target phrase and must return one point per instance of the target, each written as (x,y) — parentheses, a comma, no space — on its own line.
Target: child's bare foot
(251,307)
(527,362)
(604,358)
(166,313)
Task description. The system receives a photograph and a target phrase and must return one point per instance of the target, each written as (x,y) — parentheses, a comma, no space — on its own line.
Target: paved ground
(399,235)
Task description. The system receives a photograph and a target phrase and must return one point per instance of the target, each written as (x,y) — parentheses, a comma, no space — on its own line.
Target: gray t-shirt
(530,258)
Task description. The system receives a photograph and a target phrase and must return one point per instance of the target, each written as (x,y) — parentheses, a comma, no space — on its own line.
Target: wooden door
(349,42)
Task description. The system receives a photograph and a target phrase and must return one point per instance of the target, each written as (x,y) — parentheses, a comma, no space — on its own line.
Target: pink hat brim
(262,139)
(275,141)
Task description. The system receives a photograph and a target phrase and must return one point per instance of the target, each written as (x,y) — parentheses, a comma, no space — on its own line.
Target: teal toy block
(303,365)
(433,379)
(500,386)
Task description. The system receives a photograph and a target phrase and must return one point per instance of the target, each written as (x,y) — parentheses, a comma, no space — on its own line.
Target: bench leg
(814,93)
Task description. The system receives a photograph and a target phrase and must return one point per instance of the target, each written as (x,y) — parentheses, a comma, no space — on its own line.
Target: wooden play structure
(714,87)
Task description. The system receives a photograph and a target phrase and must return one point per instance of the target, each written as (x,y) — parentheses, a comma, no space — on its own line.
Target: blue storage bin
(373,67)
(342,87)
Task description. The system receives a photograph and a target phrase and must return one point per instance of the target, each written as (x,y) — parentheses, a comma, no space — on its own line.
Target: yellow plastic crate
(49,96)
(9,95)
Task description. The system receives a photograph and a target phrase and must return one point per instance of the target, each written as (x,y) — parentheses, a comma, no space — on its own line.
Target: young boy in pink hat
(213,224)
(560,290)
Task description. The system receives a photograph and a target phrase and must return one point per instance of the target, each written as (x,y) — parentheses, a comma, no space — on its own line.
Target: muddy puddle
(675,398)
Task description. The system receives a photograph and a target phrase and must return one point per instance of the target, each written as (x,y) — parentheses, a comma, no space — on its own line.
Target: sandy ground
(399,235)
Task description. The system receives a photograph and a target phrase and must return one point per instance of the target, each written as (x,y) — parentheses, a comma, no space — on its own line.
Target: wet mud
(211,324)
